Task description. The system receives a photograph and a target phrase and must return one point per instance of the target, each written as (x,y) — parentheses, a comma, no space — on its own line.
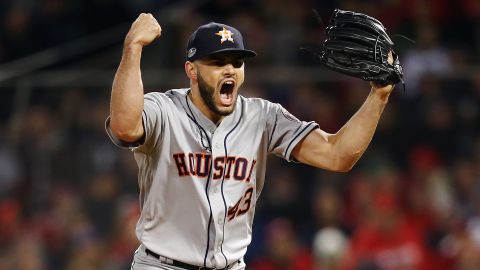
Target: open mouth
(226,92)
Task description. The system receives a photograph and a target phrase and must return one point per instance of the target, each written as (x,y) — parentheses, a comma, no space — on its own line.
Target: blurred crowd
(69,197)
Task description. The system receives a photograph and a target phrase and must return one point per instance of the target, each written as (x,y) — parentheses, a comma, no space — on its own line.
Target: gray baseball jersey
(199,182)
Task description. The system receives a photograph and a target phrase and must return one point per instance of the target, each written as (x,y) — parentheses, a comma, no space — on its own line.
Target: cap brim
(243,53)
(239,52)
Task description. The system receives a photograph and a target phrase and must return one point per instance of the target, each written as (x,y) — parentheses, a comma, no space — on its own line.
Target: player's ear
(191,70)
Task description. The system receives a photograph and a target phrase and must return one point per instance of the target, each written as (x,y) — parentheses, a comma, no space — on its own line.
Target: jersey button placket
(218,210)
(218,214)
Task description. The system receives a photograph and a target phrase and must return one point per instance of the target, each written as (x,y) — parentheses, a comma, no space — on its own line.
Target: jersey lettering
(240,169)
(203,159)
(181,164)
(198,164)
(251,170)
(191,163)
(218,166)
(228,166)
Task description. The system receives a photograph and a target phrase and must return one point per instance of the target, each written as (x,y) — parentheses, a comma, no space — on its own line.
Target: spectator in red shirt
(387,241)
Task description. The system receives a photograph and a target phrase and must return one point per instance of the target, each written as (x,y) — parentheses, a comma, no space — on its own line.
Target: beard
(207,93)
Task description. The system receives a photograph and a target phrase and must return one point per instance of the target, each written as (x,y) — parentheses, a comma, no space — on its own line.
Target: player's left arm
(340,151)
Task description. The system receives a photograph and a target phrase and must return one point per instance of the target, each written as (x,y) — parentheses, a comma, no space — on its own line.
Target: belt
(180,264)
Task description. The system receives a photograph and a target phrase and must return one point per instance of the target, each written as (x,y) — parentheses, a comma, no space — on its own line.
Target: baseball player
(202,150)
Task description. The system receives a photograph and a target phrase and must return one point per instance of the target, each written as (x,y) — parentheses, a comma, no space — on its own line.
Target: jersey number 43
(242,206)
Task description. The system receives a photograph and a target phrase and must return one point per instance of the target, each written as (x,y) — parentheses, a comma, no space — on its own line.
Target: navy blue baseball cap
(214,38)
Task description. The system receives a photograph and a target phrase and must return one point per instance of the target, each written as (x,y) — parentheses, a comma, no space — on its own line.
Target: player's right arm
(126,103)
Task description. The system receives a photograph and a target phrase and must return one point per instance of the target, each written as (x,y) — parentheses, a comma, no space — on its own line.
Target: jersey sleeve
(285,131)
(152,120)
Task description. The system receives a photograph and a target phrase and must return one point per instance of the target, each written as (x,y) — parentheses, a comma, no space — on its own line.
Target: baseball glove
(358,45)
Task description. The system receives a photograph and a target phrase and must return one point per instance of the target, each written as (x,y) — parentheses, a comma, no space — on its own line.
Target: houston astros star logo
(225,34)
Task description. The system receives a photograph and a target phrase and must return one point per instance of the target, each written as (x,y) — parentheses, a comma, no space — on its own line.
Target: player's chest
(233,137)
(226,152)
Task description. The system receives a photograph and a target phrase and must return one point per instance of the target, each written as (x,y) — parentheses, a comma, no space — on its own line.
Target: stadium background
(68,197)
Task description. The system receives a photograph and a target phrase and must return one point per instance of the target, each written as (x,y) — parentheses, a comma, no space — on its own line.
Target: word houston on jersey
(198,164)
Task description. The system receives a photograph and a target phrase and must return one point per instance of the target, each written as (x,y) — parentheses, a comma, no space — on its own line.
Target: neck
(198,101)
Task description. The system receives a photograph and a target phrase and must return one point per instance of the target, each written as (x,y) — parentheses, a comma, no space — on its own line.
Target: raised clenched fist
(143,30)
